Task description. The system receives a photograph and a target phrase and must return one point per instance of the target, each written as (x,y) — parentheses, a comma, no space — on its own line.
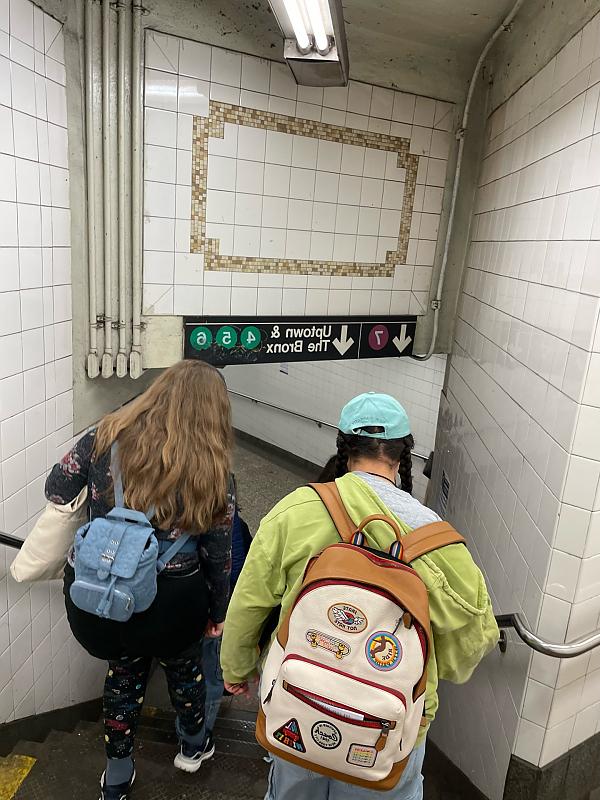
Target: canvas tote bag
(44,552)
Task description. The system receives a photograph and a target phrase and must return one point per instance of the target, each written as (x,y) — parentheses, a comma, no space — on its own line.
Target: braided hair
(344,451)
(350,445)
(405,468)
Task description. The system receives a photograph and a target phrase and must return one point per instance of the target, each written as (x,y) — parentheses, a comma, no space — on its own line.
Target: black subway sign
(240,340)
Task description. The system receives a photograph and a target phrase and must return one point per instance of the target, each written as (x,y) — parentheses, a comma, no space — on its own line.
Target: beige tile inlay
(214,125)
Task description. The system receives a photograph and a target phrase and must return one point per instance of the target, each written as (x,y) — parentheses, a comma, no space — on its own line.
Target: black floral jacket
(77,469)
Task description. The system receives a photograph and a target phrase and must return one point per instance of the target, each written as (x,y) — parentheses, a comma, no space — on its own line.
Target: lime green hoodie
(462,621)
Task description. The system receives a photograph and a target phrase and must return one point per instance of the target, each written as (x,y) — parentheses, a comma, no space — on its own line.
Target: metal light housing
(315,46)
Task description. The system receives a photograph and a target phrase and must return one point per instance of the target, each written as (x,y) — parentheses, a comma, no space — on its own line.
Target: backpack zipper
(383,736)
(367,721)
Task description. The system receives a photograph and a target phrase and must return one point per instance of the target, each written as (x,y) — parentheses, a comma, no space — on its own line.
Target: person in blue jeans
(211,648)
(289,781)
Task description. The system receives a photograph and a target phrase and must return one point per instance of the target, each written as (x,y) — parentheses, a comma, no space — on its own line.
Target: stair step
(225,738)
(243,749)
(85,728)
(223,724)
(70,764)
(232,736)
(226,712)
(147,733)
(28,748)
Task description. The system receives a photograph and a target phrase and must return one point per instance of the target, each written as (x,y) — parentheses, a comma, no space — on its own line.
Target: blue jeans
(213,680)
(289,782)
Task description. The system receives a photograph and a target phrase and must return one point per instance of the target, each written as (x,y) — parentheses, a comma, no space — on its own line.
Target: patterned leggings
(124,691)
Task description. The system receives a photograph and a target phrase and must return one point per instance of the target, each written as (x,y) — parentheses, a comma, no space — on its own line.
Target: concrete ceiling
(424,46)
(431,45)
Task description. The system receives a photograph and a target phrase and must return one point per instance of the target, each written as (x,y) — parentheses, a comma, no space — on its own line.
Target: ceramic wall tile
(525,464)
(283,157)
(36,404)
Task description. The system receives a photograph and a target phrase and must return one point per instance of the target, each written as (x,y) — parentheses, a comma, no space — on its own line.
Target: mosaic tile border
(214,125)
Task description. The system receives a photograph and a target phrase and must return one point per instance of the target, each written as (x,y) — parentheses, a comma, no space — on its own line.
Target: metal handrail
(318,422)
(11,541)
(570,650)
(566,650)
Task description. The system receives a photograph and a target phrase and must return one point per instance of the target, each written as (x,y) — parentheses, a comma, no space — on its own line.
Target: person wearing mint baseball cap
(374,416)
(372,410)
(374,444)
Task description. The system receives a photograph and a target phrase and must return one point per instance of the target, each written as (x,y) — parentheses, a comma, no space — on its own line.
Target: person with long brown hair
(174,452)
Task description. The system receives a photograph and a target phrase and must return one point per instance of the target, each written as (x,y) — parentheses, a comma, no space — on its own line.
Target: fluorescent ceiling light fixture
(297,22)
(315,40)
(319,18)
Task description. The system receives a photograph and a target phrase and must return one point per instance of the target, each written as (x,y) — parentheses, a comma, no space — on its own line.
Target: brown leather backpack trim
(329,494)
(428,538)
(414,544)
(356,565)
(384,785)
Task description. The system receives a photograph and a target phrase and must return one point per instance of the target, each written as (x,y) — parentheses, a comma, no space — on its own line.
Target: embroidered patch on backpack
(347,617)
(383,651)
(326,735)
(289,735)
(361,755)
(336,646)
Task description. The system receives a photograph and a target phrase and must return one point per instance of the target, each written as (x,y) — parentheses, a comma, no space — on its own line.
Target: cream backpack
(343,687)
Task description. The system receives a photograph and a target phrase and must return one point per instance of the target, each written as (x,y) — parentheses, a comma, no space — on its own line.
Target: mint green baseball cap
(372,410)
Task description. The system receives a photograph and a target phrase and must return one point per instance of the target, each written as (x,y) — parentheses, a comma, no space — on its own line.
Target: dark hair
(350,445)
(328,472)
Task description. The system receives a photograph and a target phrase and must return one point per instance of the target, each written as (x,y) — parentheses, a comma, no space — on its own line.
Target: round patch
(347,618)
(326,735)
(383,651)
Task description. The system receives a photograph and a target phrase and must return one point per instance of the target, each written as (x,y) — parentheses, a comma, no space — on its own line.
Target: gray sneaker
(190,757)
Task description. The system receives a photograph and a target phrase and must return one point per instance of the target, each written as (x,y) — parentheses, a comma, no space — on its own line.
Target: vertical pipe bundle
(113,106)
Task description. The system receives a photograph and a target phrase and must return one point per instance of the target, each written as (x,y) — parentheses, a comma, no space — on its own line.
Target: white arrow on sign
(344,344)
(401,342)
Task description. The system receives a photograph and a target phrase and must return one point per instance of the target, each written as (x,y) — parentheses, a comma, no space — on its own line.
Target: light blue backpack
(117,559)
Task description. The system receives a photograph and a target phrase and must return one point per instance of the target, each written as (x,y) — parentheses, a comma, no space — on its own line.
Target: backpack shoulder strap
(115,470)
(428,538)
(163,560)
(330,495)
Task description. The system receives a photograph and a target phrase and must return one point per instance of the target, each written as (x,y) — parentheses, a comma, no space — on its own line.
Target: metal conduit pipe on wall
(114,176)
(137,84)
(114,102)
(107,357)
(93,368)
(436,303)
(124,158)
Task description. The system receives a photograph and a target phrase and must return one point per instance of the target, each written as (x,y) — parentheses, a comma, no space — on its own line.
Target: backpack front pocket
(89,596)
(324,715)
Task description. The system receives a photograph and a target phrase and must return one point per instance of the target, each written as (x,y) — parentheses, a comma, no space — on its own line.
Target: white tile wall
(41,667)
(320,389)
(279,195)
(518,432)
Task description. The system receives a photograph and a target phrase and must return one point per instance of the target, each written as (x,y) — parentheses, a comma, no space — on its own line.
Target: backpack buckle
(107,559)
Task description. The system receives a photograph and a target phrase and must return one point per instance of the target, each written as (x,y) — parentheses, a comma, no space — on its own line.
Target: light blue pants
(213,679)
(289,782)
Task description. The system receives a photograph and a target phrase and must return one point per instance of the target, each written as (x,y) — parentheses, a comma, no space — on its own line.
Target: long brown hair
(175,444)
